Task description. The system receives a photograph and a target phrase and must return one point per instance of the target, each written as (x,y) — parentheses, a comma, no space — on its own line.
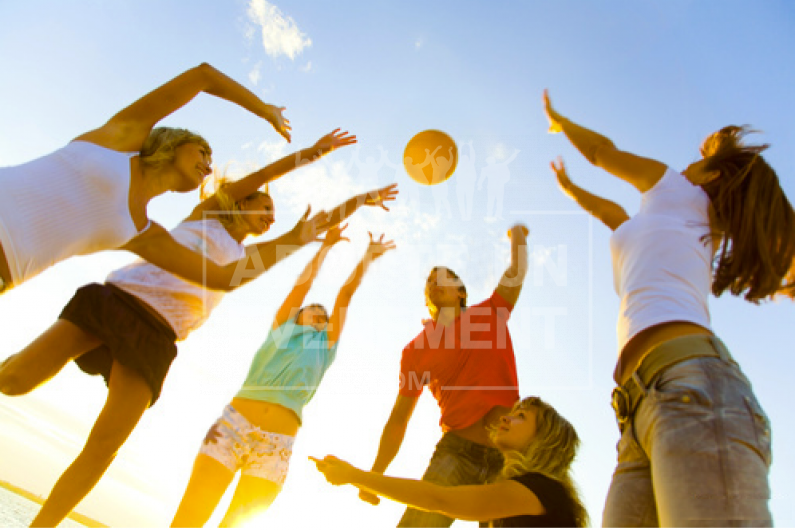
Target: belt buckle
(621,402)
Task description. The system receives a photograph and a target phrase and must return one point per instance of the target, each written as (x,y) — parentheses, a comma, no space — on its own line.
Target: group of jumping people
(695,444)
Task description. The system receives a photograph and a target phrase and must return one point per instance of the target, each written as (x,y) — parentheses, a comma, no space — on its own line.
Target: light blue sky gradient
(656,77)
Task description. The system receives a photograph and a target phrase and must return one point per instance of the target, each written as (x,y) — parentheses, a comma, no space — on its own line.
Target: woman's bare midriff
(478,432)
(267,416)
(642,343)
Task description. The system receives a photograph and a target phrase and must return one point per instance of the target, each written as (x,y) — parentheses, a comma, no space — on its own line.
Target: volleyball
(430,157)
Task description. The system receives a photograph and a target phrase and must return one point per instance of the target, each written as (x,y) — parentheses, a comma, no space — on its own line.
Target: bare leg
(253,495)
(128,398)
(208,482)
(44,357)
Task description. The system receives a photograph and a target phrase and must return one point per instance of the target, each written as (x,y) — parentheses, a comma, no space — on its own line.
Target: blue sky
(656,77)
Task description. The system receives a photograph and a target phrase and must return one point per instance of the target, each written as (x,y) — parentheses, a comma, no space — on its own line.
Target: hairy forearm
(586,141)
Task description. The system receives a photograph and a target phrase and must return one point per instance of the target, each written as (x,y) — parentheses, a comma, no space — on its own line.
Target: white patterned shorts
(237,444)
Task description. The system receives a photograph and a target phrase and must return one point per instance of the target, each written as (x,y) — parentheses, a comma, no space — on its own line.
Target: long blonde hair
(160,146)
(228,213)
(757,252)
(551,452)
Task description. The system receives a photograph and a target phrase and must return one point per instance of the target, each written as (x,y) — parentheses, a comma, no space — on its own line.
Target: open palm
(334,140)
(380,196)
(376,249)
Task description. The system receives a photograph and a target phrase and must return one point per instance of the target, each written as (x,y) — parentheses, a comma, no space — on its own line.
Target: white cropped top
(70,202)
(184,305)
(662,269)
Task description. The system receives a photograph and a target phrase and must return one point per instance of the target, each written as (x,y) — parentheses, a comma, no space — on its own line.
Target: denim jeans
(696,452)
(455,462)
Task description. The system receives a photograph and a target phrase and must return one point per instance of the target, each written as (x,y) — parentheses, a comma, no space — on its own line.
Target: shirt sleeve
(674,195)
(411,384)
(550,493)
(501,306)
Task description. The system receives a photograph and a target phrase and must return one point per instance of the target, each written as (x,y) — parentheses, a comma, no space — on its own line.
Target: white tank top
(184,305)
(662,270)
(70,202)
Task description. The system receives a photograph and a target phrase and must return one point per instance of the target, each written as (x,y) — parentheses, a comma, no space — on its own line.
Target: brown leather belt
(627,397)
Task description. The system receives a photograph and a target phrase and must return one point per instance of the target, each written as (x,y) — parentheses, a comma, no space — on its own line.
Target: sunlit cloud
(307,67)
(255,74)
(271,151)
(280,34)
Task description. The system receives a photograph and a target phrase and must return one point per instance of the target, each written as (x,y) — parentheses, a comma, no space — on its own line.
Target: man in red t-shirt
(465,356)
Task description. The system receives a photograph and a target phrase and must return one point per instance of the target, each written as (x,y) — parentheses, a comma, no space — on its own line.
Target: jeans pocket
(684,384)
(762,429)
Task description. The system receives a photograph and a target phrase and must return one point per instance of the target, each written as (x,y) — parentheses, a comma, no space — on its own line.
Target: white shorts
(237,444)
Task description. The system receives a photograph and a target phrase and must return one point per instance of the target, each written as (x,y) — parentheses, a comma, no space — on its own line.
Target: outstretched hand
(563,178)
(555,119)
(336,471)
(334,235)
(380,196)
(376,249)
(308,230)
(274,115)
(334,140)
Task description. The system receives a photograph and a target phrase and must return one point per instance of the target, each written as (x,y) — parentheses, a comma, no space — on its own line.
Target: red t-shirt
(469,364)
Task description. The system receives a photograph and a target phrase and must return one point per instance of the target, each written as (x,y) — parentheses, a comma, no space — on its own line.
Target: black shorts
(130,334)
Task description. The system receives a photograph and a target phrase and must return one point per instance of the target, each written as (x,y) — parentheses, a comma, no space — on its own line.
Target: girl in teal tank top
(256,431)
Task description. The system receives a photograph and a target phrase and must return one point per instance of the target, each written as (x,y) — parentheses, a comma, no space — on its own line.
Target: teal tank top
(288,367)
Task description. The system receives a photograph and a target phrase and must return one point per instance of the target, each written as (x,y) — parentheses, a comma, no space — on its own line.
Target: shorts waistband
(140,308)
(627,397)
(237,420)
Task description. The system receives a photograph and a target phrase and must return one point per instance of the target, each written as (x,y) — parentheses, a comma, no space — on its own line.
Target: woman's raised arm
(642,173)
(158,247)
(295,299)
(336,322)
(240,189)
(610,213)
(129,128)
(371,198)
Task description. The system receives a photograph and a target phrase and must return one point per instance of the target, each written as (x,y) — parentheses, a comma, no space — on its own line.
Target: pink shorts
(237,444)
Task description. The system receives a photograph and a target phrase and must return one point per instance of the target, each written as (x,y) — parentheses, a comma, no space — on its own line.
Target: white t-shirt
(662,267)
(184,305)
(73,201)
